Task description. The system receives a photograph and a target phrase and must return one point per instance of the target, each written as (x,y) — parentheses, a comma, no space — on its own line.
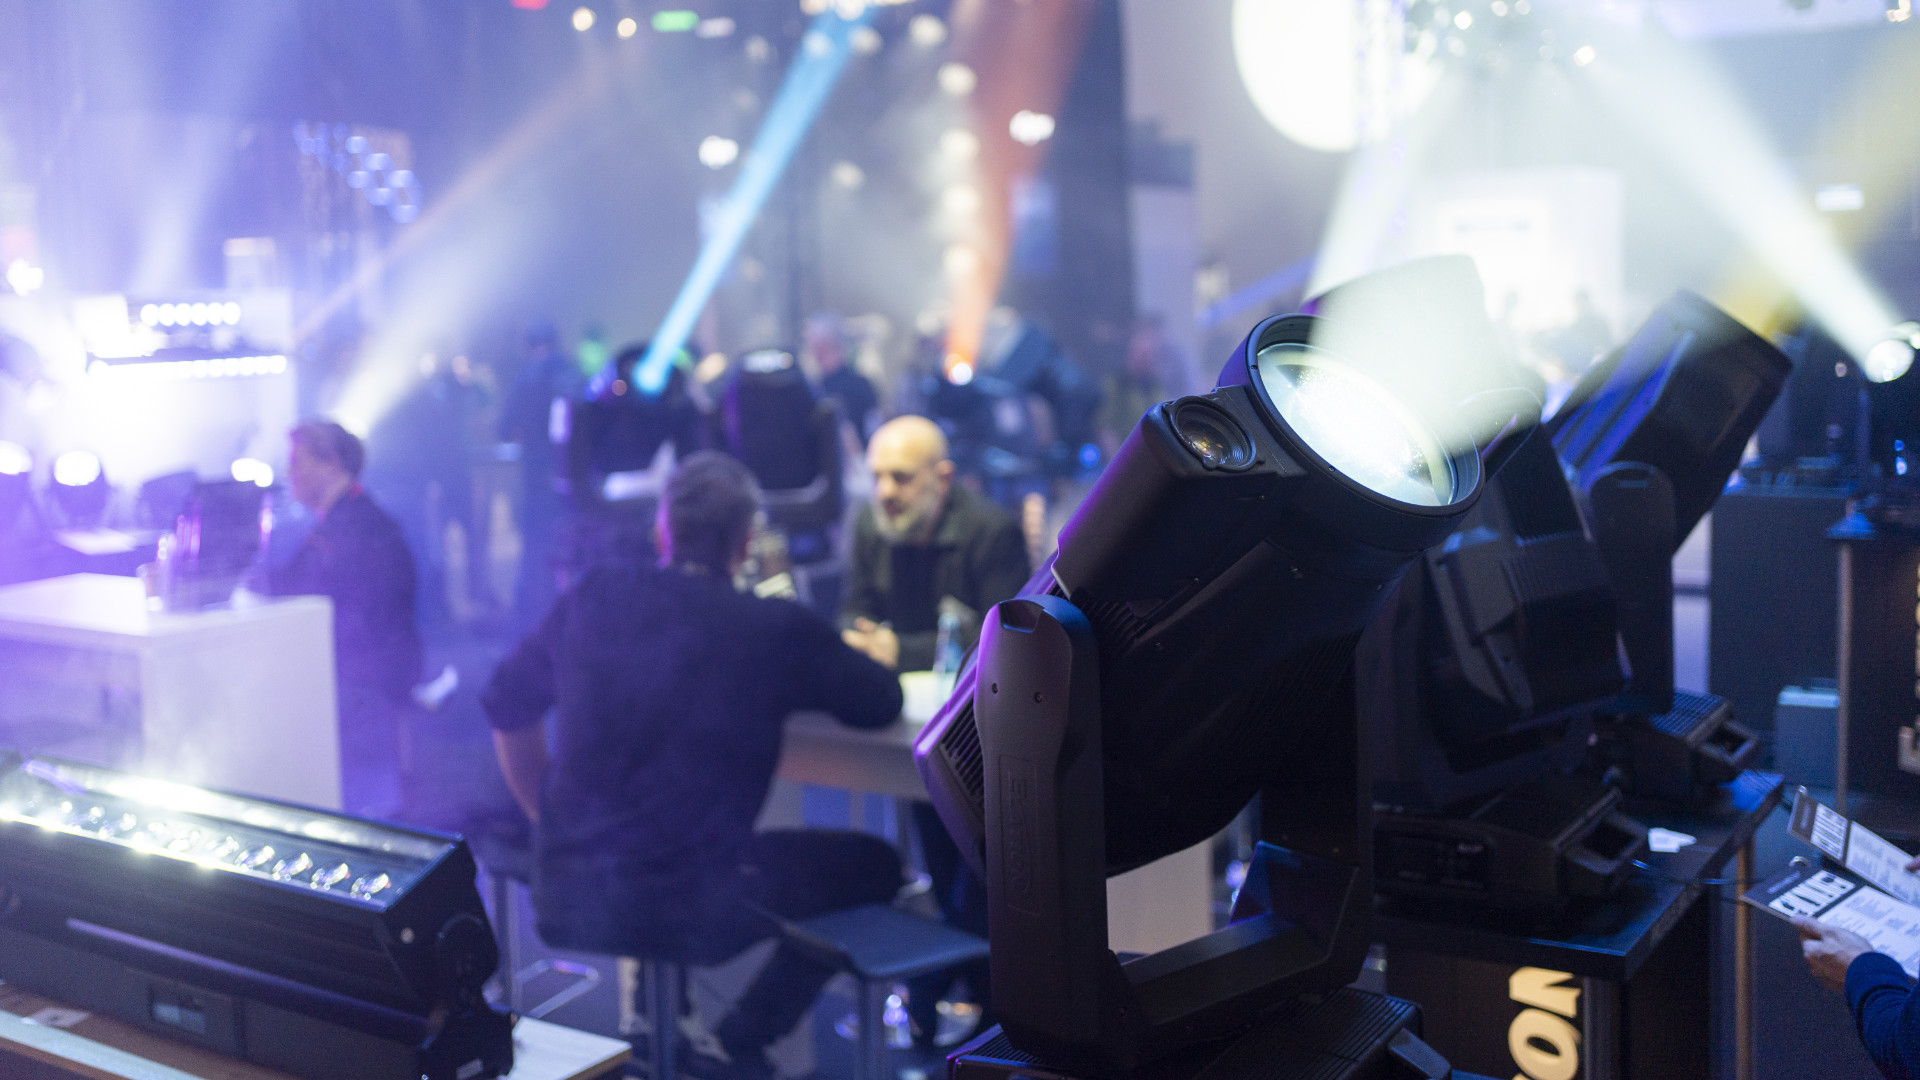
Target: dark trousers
(962,897)
(794,874)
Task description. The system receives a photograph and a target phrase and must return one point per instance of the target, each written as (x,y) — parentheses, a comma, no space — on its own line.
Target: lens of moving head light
(1356,425)
(1891,358)
(1211,435)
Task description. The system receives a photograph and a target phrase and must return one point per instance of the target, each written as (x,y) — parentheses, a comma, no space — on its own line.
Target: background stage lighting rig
(1648,439)
(1189,646)
(1480,684)
(322,945)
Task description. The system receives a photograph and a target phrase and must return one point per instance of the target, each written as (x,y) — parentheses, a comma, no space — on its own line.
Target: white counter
(238,698)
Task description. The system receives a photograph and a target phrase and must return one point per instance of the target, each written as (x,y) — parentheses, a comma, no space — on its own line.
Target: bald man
(924,542)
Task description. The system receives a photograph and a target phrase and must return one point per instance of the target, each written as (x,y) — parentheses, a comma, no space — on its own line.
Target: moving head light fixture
(1189,646)
(1648,439)
(321,945)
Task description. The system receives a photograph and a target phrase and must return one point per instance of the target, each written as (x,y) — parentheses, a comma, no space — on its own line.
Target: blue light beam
(824,50)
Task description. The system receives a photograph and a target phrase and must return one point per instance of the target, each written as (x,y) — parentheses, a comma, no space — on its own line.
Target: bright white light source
(627,27)
(847,175)
(23,277)
(233,313)
(76,468)
(1030,128)
(1500,7)
(1463,20)
(926,31)
(583,19)
(961,200)
(1900,11)
(815,43)
(959,144)
(960,260)
(865,40)
(1356,425)
(150,314)
(1888,360)
(1583,55)
(714,28)
(961,373)
(759,50)
(14,460)
(1839,198)
(199,315)
(253,471)
(1325,78)
(957,79)
(717,152)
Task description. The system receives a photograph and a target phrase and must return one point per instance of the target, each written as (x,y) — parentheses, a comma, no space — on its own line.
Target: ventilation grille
(961,745)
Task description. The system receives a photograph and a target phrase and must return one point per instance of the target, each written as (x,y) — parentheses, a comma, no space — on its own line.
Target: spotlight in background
(847,175)
(959,144)
(718,152)
(675,22)
(253,471)
(627,27)
(926,31)
(24,278)
(719,27)
(957,79)
(866,41)
(583,19)
(80,488)
(1890,359)
(15,460)
(1030,128)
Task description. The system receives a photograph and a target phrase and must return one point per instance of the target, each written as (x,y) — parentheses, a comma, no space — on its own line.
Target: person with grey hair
(670,690)
(356,556)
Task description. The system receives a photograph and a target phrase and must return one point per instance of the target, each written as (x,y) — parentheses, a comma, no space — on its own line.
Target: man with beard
(924,544)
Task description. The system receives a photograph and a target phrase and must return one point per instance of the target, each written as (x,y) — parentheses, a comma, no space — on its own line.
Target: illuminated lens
(76,468)
(14,460)
(1887,361)
(1358,427)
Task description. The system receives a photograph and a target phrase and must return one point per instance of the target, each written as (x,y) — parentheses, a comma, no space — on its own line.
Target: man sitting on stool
(924,543)
(671,690)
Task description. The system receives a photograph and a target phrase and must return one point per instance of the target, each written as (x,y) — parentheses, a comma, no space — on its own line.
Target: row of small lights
(215,314)
(78,468)
(169,370)
(665,22)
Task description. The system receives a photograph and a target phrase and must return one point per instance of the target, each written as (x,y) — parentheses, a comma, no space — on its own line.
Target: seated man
(357,557)
(924,544)
(671,689)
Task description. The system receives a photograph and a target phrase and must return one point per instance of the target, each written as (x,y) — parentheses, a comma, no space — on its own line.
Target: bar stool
(879,945)
(504,849)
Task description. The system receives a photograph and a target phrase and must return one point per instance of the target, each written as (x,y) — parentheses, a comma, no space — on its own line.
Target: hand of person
(879,642)
(1829,951)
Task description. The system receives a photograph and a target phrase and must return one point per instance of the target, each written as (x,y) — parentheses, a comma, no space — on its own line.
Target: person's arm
(1887,1013)
(1885,1008)
(523,761)
(517,697)
(832,677)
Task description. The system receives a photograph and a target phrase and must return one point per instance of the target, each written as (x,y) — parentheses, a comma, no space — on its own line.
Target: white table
(238,698)
(1155,907)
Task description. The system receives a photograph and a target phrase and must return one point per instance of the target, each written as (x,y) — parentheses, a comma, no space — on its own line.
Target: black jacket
(977,556)
(670,694)
(357,558)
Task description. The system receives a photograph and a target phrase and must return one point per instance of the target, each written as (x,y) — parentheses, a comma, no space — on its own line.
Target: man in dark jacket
(1886,1010)
(356,557)
(924,544)
(671,690)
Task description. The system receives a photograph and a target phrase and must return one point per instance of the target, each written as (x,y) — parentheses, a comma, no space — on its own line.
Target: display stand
(1624,985)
